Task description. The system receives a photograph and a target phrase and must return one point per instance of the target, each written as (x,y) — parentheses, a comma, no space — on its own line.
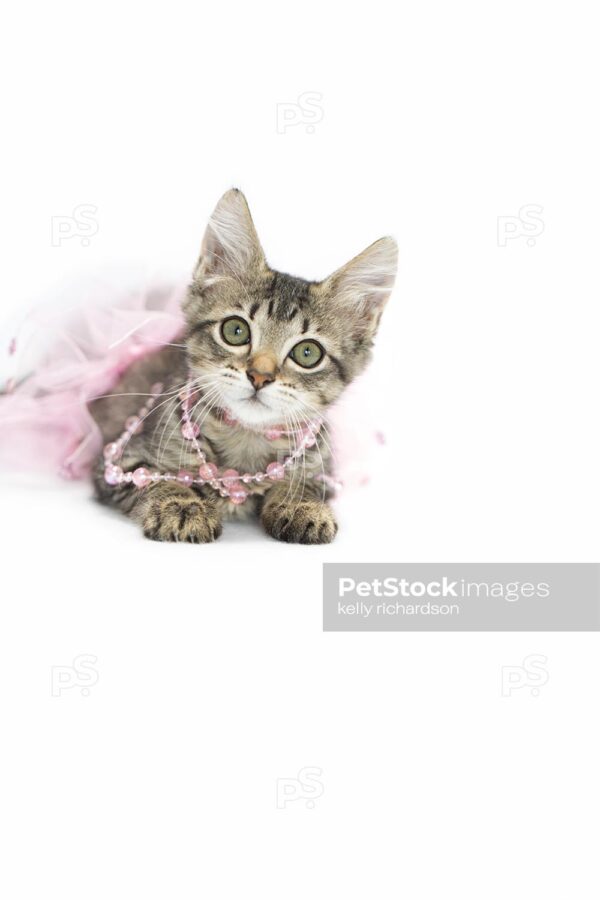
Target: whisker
(212,394)
(183,445)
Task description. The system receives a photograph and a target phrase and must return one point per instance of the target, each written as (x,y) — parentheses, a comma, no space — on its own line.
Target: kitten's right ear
(230,245)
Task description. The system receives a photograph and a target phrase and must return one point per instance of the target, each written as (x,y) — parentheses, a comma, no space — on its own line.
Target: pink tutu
(62,359)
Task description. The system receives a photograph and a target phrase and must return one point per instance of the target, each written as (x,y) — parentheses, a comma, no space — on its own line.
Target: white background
(214,678)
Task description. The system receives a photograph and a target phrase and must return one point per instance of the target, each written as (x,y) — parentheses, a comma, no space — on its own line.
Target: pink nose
(259,379)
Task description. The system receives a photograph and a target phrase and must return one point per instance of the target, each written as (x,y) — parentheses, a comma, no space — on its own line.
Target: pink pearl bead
(111,451)
(275,471)
(113,474)
(133,424)
(228,418)
(141,477)
(157,388)
(272,434)
(185,477)
(190,430)
(238,495)
(208,471)
(247,478)
(230,477)
(308,440)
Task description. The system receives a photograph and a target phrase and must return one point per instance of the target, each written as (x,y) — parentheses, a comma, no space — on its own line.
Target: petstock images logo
(461,597)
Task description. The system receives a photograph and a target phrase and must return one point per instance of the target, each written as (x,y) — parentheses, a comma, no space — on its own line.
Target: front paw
(180,516)
(307,522)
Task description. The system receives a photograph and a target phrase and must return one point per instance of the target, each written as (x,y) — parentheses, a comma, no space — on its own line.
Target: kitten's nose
(262,369)
(259,379)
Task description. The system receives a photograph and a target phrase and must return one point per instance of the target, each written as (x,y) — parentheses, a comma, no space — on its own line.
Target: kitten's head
(268,346)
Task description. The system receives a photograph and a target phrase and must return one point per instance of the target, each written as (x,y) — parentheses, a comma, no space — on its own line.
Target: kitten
(266,349)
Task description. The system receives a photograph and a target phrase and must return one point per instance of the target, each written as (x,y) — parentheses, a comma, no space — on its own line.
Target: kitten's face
(271,348)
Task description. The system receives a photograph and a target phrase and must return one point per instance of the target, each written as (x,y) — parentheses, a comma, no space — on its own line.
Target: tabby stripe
(341,370)
(204,324)
(253,310)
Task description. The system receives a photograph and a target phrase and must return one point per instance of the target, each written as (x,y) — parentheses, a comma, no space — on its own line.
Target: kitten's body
(161,447)
(261,381)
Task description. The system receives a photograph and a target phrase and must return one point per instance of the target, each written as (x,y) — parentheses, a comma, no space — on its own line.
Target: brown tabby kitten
(269,348)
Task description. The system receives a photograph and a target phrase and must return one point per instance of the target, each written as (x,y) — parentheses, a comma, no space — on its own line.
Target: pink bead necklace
(228,483)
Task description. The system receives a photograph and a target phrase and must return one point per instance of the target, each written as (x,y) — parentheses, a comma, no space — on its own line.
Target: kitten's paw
(180,517)
(307,522)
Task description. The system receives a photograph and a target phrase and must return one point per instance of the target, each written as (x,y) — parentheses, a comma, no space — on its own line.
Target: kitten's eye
(235,331)
(307,354)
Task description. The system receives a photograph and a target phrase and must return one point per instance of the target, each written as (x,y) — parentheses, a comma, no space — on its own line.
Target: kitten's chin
(254,412)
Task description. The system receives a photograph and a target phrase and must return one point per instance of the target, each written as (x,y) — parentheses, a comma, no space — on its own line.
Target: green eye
(307,354)
(235,331)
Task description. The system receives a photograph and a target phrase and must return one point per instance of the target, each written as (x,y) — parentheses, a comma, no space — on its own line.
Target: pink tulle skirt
(59,360)
(62,359)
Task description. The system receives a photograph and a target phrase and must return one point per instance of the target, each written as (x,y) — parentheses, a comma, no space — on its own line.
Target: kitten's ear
(361,288)
(230,245)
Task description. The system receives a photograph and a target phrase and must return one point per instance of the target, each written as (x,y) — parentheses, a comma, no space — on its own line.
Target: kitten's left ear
(230,245)
(362,287)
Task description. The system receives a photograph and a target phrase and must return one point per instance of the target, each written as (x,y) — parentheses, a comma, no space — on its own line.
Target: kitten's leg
(305,520)
(167,511)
